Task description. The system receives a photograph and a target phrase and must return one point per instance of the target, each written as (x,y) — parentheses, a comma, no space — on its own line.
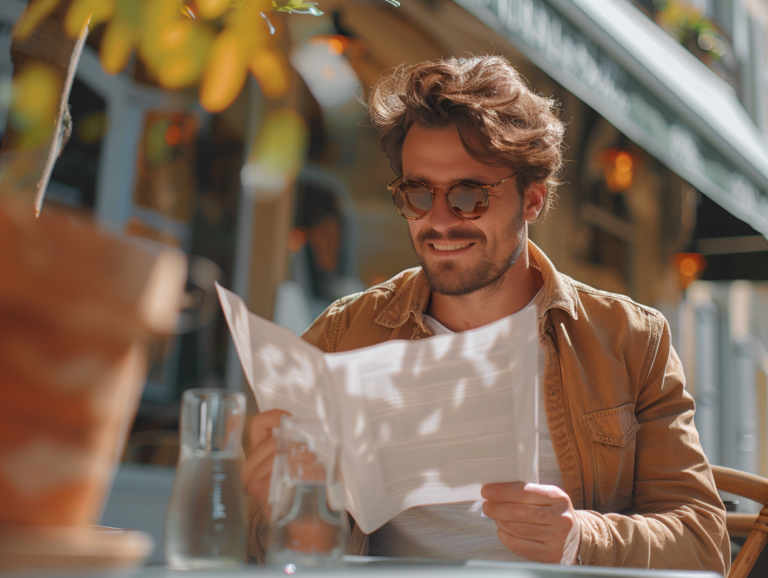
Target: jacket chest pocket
(612,433)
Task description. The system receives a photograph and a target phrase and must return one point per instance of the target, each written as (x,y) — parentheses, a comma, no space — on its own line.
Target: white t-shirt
(460,531)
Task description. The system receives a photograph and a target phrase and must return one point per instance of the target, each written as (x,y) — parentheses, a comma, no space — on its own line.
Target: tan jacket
(620,419)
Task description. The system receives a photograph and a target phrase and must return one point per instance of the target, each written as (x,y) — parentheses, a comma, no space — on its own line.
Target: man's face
(460,256)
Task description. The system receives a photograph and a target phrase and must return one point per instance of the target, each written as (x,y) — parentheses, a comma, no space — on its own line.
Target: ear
(533,200)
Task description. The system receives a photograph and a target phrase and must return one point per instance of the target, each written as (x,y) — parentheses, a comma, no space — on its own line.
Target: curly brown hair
(498,117)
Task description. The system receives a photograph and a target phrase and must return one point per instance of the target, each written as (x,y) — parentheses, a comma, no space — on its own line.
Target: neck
(513,291)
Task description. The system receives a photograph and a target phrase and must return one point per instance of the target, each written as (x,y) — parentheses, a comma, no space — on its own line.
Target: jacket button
(354,542)
(552,392)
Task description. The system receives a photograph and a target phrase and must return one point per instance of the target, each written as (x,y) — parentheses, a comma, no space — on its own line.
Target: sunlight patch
(431,424)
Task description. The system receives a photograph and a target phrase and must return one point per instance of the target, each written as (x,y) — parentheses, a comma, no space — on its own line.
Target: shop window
(165,179)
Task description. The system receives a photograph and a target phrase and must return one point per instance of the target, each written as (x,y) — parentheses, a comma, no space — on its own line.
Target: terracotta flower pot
(78,307)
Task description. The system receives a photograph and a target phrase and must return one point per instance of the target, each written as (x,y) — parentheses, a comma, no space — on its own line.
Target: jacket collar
(412,297)
(560,292)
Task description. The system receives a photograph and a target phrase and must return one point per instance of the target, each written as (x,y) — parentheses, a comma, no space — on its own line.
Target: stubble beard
(448,278)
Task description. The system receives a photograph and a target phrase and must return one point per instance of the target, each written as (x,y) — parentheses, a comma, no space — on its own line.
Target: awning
(619,62)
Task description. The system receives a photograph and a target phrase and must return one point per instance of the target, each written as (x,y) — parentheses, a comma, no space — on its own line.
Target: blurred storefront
(666,175)
(666,182)
(662,160)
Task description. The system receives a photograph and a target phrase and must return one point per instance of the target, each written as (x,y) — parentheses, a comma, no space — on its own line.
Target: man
(624,478)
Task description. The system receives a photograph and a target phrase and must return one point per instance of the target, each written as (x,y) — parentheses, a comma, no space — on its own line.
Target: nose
(441,218)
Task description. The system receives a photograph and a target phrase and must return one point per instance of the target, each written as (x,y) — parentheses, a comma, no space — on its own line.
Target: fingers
(266,448)
(528,513)
(554,534)
(533,520)
(523,493)
(256,477)
(257,469)
(531,550)
(258,466)
(255,472)
(544,534)
(262,424)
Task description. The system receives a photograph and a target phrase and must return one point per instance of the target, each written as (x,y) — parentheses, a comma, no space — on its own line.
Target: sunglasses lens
(468,201)
(413,199)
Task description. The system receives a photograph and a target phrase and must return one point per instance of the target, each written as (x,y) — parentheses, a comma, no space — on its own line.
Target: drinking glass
(205,526)
(309,526)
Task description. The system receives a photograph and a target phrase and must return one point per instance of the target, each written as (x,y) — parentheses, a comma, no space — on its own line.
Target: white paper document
(419,422)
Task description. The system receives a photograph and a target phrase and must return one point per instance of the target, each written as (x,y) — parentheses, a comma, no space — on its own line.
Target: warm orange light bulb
(688,267)
(623,162)
(618,166)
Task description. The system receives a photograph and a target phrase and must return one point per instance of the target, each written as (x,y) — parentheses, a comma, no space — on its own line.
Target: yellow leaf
(184,65)
(34,92)
(130,11)
(270,68)
(35,13)
(211,8)
(281,139)
(258,5)
(116,46)
(121,36)
(81,11)
(102,12)
(225,72)
(34,103)
(175,35)
(157,15)
(278,153)
(77,17)
(179,71)
(248,25)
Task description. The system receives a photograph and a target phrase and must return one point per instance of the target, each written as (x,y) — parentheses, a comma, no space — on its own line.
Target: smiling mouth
(454,247)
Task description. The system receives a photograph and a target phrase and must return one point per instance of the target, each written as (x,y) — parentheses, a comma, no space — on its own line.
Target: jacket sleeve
(324,332)
(320,333)
(678,519)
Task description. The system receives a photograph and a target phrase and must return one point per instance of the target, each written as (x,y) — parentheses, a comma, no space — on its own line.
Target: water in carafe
(311,534)
(204,527)
(206,519)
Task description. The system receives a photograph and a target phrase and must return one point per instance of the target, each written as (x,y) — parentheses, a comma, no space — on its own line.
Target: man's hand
(257,470)
(533,521)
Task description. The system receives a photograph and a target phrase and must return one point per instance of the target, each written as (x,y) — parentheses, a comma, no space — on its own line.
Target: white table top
(384,568)
(400,568)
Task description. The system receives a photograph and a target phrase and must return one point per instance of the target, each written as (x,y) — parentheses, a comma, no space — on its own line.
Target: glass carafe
(309,526)
(205,526)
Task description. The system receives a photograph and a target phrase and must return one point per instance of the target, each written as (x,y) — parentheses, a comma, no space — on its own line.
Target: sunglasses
(467,200)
